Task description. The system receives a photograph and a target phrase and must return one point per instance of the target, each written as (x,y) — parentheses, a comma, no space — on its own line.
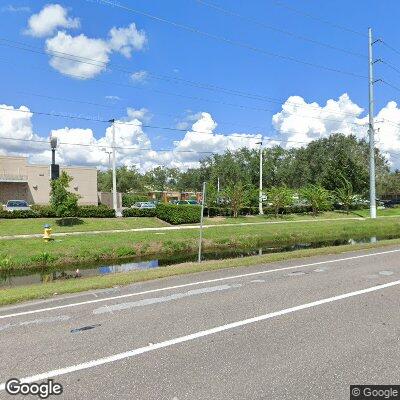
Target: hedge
(139,212)
(47,212)
(101,211)
(178,214)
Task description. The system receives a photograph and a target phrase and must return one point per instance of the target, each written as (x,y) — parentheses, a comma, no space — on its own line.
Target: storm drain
(84,328)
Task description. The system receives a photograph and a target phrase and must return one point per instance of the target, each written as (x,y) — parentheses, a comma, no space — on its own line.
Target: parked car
(144,204)
(17,205)
(190,202)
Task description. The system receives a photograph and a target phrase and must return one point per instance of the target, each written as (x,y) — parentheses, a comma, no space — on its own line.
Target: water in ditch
(27,277)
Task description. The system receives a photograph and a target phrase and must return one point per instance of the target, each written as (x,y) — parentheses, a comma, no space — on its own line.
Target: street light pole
(260,197)
(371,131)
(201,222)
(114,169)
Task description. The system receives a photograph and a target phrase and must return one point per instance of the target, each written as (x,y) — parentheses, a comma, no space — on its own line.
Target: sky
(186,78)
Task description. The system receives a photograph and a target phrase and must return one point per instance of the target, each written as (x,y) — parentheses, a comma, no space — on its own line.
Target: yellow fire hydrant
(47,233)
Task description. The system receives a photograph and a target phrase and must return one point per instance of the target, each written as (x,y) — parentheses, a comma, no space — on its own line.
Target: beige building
(22,181)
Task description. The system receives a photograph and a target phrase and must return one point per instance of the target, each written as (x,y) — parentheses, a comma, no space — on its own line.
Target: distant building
(20,180)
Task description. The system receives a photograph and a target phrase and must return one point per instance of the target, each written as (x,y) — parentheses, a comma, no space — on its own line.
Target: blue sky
(176,54)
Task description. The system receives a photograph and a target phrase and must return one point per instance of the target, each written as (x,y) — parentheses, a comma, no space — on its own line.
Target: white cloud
(83,48)
(125,40)
(136,148)
(201,140)
(15,9)
(92,54)
(17,125)
(50,18)
(299,122)
(139,76)
(112,98)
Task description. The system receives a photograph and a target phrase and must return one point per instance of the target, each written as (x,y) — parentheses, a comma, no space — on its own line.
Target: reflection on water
(18,278)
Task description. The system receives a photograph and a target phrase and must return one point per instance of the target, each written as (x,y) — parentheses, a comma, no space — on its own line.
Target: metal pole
(201,221)
(218,185)
(371,131)
(260,205)
(114,171)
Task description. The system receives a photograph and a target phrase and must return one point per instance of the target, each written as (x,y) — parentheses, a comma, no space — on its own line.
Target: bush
(48,212)
(129,199)
(44,211)
(101,211)
(178,214)
(136,212)
(18,214)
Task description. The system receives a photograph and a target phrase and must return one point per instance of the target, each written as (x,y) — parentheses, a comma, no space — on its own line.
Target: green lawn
(35,225)
(70,250)
(272,218)
(386,212)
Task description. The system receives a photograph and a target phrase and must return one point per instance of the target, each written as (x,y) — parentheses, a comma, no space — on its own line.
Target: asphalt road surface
(301,329)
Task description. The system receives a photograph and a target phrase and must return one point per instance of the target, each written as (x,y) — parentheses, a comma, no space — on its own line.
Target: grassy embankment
(70,250)
(35,225)
(40,291)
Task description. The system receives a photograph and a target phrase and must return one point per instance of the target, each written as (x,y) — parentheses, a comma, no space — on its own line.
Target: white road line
(123,296)
(196,335)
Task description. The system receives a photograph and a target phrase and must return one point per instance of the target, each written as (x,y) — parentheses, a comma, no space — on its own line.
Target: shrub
(18,214)
(44,211)
(317,197)
(129,199)
(280,198)
(178,214)
(63,202)
(136,212)
(48,212)
(101,211)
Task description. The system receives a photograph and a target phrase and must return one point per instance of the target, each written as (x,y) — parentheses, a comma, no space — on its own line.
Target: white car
(143,204)
(17,205)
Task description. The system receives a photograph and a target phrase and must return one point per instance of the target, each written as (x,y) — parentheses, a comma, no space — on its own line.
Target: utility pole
(371,131)
(201,221)
(260,199)
(114,169)
(218,185)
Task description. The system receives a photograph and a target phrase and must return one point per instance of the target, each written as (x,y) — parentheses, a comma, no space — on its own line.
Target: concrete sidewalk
(173,228)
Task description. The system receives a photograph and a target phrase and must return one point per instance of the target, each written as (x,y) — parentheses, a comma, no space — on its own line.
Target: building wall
(38,184)
(84,184)
(106,198)
(35,182)
(13,166)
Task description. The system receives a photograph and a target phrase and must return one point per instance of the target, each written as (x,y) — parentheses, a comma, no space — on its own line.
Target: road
(301,329)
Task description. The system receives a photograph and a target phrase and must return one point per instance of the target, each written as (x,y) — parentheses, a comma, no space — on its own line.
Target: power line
(318,18)
(389,46)
(77,117)
(207,87)
(229,41)
(282,31)
(141,125)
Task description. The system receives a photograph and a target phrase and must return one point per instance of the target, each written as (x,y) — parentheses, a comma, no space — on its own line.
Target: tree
(64,202)
(237,196)
(345,195)
(317,197)
(128,180)
(280,197)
